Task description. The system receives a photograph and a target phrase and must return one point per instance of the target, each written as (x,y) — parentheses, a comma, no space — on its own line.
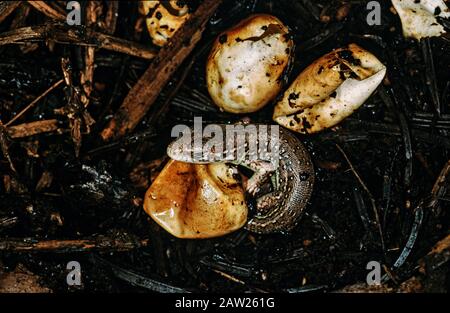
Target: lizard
(292,175)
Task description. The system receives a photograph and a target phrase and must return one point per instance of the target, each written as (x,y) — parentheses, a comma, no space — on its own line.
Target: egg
(164,18)
(247,63)
(329,90)
(418,17)
(196,200)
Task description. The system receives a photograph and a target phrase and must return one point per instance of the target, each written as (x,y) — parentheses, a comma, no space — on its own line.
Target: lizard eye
(247,64)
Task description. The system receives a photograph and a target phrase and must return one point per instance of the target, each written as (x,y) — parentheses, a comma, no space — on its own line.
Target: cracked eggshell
(196,201)
(329,90)
(164,18)
(247,64)
(418,17)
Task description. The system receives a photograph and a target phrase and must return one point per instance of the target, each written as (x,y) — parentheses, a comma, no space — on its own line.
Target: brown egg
(329,90)
(196,201)
(247,63)
(164,18)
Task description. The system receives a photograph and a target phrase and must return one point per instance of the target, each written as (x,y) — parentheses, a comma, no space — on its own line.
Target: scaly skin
(293,177)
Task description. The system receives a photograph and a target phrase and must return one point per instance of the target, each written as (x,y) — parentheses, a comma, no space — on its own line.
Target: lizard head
(192,147)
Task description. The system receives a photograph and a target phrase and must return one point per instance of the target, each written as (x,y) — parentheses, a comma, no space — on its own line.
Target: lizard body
(290,170)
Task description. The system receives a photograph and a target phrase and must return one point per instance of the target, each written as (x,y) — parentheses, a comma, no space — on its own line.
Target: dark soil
(398,142)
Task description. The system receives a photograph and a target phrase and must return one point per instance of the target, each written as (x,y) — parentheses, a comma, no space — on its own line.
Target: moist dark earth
(397,142)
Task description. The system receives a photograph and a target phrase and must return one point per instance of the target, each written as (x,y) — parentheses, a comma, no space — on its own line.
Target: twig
(439,189)
(307,288)
(430,74)
(440,249)
(44,8)
(21,16)
(8,222)
(99,243)
(229,277)
(111,17)
(387,188)
(217,262)
(32,128)
(147,134)
(406,135)
(144,93)
(179,83)
(361,206)
(372,199)
(6,8)
(138,280)
(418,219)
(80,120)
(79,35)
(59,82)
(327,229)
(87,76)
(4,146)
(365,127)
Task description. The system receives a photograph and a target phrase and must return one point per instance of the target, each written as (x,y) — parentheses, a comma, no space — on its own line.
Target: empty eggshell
(196,201)
(418,17)
(164,18)
(329,90)
(247,64)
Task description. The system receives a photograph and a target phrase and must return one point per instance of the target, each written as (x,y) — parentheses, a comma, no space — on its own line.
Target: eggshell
(419,17)
(164,18)
(196,201)
(329,90)
(247,63)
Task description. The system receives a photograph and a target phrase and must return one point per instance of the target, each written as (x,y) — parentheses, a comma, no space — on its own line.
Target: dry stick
(59,82)
(44,8)
(372,199)
(108,26)
(6,8)
(78,35)
(32,128)
(144,93)
(4,146)
(111,17)
(76,245)
(430,74)
(229,277)
(21,17)
(439,188)
(87,76)
(136,279)
(441,247)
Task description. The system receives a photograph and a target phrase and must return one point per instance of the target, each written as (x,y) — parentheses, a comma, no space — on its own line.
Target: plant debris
(86,114)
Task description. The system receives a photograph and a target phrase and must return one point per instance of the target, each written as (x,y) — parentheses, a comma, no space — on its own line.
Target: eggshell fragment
(164,18)
(418,17)
(247,63)
(329,90)
(196,201)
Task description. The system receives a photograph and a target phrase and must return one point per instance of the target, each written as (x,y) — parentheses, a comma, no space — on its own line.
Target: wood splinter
(144,93)
(77,35)
(99,243)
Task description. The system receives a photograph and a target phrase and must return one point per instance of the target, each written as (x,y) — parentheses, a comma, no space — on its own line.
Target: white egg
(418,17)
(247,64)
(164,18)
(329,90)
